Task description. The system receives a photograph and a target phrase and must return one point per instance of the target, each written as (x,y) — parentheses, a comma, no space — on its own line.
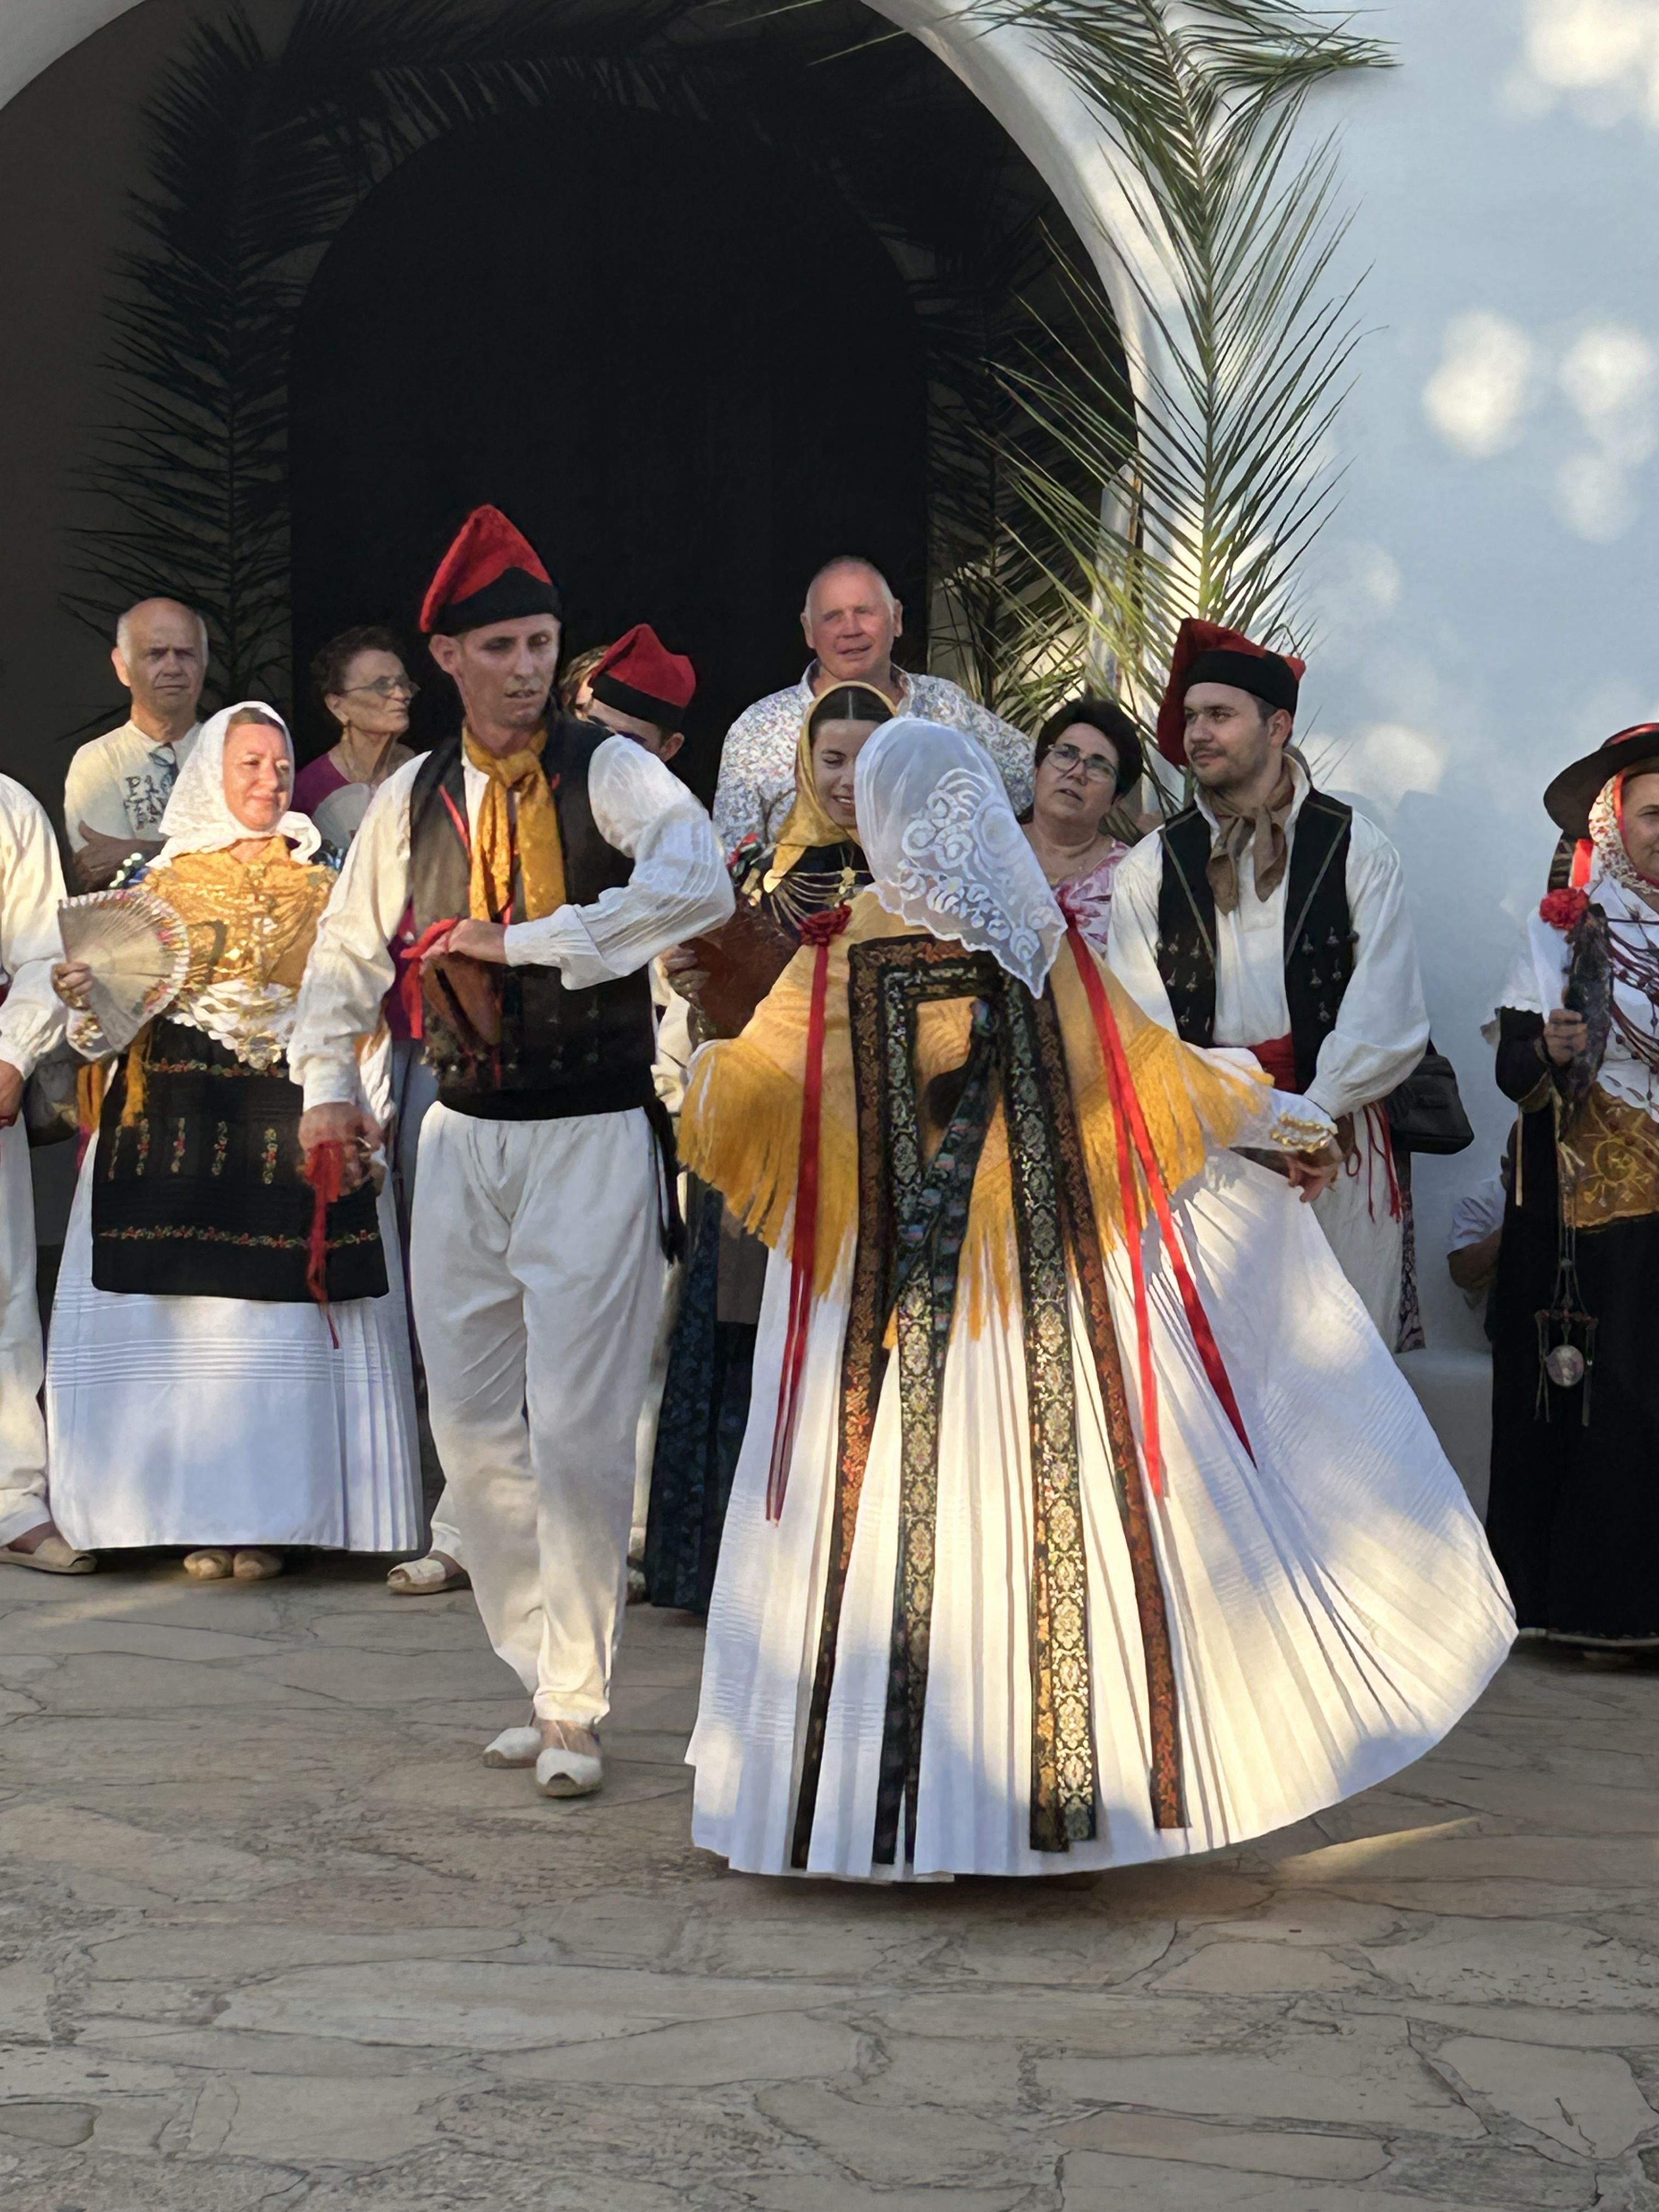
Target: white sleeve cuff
(561,939)
(329,1082)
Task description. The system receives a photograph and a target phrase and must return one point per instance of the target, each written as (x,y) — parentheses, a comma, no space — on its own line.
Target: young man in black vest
(1272,917)
(547,864)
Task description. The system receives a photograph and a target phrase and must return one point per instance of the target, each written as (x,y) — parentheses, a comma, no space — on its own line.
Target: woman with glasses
(1088,757)
(363,684)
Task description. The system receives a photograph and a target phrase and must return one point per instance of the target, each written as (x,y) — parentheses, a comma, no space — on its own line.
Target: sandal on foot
(515,1746)
(427,1577)
(52,1555)
(255,1564)
(208,1566)
(573,1768)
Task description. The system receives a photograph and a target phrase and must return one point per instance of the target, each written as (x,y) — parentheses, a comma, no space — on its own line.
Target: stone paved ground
(274,1937)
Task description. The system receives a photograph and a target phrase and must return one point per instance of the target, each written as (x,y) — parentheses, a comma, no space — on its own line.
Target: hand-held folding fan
(737,964)
(138,948)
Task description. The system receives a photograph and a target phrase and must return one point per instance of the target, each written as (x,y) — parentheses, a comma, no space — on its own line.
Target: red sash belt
(1277,1057)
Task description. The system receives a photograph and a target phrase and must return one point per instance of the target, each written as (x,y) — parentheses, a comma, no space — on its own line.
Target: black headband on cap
(507,598)
(612,691)
(1263,675)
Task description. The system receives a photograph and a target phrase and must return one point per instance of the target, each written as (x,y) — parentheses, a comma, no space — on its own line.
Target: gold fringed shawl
(245,920)
(256,918)
(740,1126)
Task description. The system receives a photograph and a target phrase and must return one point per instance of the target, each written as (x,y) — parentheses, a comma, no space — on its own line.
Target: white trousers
(539,1278)
(1363,1233)
(23,1429)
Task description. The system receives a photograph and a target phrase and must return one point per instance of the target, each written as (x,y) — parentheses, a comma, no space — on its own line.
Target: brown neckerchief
(1259,831)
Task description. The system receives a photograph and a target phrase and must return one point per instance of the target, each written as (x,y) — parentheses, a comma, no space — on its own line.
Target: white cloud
(1595,497)
(1602,55)
(1485,384)
(1385,762)
(1609,376)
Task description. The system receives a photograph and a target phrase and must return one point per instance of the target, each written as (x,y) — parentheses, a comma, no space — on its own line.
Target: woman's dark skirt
(1573,1514)
(204,1194)
(705,1411)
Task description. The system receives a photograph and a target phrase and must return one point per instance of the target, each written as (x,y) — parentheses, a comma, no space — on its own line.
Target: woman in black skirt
(1574,1510)
(817,866)
(197,1392)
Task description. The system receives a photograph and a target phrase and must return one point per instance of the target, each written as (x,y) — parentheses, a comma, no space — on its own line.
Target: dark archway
(766,282)
(680,360)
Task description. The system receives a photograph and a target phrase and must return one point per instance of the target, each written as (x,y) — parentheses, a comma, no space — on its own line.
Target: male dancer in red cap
(566,861)
(1272,916)
(641,690)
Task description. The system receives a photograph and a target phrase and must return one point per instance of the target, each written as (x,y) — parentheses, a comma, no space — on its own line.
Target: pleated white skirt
(192,1420)
(1334,1607)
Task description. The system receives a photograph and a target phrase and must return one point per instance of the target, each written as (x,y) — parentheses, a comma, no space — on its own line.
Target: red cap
(640,675)
(1205,652)
(491,574)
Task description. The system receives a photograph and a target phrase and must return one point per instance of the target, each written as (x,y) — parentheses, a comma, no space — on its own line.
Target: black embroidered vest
(562,1052)
(1319,933)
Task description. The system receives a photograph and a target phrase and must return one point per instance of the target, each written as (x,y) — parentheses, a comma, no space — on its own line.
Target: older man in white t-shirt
(851,619)
(118,785)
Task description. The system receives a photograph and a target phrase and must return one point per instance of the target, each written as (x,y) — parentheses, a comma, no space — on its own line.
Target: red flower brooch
(1562,910)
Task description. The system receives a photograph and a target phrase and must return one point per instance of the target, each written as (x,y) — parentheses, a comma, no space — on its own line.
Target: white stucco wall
(1482,592)
(1485,589)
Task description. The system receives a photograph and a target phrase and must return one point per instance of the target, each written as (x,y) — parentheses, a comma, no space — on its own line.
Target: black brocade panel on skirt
(204,1194)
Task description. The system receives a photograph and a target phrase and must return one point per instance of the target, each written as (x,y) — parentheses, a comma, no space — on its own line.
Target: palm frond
(257,157)
(1207,503)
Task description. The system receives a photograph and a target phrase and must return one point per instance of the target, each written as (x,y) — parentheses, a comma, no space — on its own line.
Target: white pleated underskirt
(1333,1608)
(192,1420)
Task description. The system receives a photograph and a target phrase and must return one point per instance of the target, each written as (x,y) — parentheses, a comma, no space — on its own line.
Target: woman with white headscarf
(1082,1517)
(229,1366)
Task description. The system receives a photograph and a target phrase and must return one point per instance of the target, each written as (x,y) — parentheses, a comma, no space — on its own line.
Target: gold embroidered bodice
(246,919)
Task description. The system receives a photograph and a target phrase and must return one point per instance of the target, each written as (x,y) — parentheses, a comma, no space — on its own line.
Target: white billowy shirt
(757,783)
(678,888)
(119,784)
(1382,1023)
(30,891)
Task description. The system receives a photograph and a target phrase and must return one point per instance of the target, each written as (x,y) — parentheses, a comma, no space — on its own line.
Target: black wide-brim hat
(1570,798)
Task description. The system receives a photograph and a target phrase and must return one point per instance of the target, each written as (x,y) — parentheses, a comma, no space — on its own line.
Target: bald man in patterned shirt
(851,619)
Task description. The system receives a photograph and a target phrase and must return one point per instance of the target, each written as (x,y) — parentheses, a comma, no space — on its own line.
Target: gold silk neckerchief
(533,836)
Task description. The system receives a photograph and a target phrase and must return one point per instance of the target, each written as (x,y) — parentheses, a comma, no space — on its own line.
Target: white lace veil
(197,819)
(945,851)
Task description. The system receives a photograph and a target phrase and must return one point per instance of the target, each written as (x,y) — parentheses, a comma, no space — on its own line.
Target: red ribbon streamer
(409,958)
(820,931)
(1132,1129)
(1380,1137)
(325,1173)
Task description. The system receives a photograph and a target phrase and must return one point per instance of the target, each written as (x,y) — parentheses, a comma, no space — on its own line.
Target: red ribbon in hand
(820,931)
(409,958)
(1134,1140)
(325,1173)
